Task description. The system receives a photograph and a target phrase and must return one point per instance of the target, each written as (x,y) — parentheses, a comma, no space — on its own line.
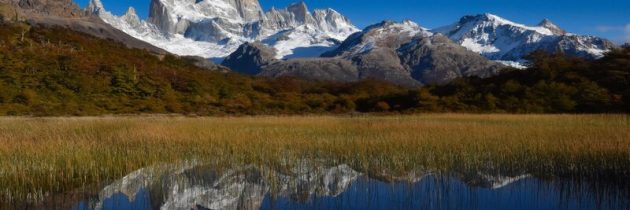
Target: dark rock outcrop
(249,58)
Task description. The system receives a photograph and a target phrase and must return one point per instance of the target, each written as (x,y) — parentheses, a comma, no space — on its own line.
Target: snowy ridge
(498,21)
(387,34)
(216,28)
(500,39)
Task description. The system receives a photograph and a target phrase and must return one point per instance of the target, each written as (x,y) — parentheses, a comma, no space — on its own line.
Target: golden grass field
(39,155)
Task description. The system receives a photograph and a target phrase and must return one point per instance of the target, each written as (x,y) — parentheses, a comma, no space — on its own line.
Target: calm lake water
(191,186)
(343,188)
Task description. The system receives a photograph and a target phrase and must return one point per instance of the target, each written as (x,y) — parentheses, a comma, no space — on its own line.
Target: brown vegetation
(62,154)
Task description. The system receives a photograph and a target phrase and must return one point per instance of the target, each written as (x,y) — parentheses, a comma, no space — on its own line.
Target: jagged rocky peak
(300,12)
(131,12)
(173,16)
(95,7)
(546,23)
(132,17)
(332,20)
(216,28)
(250,10)
(244,10)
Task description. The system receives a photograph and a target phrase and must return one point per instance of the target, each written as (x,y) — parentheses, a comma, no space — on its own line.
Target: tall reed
(52,155)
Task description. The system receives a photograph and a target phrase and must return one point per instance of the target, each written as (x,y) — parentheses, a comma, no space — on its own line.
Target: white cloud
(623,32)
(606,29)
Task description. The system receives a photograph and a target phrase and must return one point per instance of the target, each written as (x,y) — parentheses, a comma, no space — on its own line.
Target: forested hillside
(552,84)
(55,71)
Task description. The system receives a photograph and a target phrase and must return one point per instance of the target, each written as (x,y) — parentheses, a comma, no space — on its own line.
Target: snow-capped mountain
(408,52)
(387,34)
(399,52)
(215,28)
(499,39)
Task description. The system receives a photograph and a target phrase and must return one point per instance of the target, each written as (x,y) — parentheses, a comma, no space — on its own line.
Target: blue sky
(605,18)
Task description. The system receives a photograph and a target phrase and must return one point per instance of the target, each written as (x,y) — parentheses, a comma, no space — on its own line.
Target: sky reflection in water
(431,192)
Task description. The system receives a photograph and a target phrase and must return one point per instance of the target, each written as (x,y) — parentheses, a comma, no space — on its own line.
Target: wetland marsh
(42,158)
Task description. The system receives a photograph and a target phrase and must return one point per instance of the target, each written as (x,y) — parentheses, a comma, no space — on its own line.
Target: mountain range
(60,59)
(216,28)
(319,44)
(324,45)
(401,53)
(499,39)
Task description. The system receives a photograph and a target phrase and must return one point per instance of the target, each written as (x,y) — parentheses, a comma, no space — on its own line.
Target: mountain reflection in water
(340,187)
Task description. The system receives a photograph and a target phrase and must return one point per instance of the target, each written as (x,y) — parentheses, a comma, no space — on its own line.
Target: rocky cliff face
(58,8)
(250,58)
(438,60)
(216,28)
(499,39)
(67,14)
